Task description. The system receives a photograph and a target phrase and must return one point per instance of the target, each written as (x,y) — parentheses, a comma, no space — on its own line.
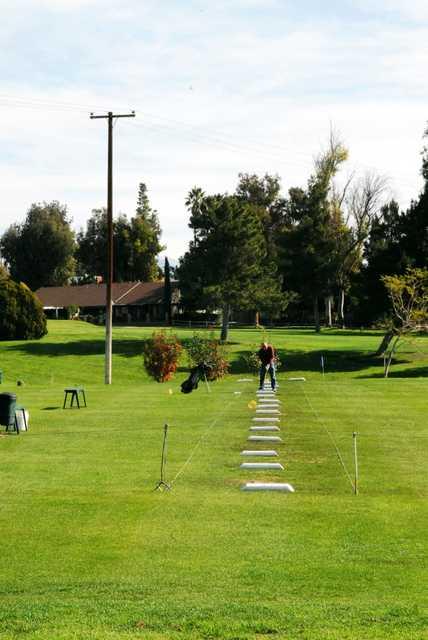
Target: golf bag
(197,373)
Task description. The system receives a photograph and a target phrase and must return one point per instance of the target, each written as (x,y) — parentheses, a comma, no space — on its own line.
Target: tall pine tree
(136,244)
(145,239)
(167,293)
(224,264)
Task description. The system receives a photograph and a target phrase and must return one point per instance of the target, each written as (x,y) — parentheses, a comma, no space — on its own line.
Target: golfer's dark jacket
(266,355)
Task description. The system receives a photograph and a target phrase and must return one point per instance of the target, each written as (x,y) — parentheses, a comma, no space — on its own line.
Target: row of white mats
(269,405)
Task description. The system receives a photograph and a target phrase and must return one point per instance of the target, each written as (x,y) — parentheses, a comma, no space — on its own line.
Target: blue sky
(219,88)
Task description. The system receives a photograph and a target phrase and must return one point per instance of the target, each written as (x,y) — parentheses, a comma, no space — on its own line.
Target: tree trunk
(316,315)
(257,319)
(390,355)
(342,308)
(225,323)
(328,305)
(167,294)
(385,343)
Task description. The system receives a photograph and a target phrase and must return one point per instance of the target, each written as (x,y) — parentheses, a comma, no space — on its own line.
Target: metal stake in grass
(162,484)
(322,365)
(354,435)
(206,382)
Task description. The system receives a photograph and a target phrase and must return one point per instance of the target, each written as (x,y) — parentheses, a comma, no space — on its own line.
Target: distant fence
(200,324)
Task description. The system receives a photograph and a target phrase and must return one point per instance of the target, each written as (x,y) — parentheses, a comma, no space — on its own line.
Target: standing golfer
(267,363)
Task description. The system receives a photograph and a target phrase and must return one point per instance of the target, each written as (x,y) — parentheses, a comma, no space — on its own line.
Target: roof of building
(94,295)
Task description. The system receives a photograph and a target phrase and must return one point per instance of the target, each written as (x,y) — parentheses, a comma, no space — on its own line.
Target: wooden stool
(74,393)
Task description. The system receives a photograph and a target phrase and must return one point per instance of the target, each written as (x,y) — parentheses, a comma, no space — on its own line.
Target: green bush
(21,313)
(161,354)
(210,351)
(251,362)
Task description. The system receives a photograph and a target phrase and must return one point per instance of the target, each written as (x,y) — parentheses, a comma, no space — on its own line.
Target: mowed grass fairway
(90,551)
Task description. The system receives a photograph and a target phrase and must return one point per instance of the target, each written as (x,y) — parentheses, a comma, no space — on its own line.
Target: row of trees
(255,249)
(45,251)
(259,250)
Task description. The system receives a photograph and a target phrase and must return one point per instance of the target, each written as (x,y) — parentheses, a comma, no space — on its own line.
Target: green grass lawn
(90,551)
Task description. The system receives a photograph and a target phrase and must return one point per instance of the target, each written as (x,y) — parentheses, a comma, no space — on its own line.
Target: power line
(194,134)
(215,137)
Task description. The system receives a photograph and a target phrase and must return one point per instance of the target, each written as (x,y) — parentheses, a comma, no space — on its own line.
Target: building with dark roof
(132,301)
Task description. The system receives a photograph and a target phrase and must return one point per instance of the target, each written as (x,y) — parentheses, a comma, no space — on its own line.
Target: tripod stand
(206,382)
(162,484)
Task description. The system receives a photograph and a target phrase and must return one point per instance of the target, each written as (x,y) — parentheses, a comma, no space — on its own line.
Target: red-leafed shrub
(161,354)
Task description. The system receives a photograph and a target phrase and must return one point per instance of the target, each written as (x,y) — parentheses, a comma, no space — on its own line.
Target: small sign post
(354,435)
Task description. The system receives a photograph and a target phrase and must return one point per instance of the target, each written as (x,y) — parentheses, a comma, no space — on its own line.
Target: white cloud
(416,10)
(216,92)
(62,5)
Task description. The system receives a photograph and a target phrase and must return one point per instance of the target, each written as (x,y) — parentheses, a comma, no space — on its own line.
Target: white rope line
(192,453)
(315,412)
(97,432)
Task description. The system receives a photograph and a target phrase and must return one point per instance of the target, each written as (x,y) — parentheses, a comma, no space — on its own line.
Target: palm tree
(195,204)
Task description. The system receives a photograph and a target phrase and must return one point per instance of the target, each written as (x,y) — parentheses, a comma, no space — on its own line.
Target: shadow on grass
(50,408)
(334,361)
(325,332)
(416,372)
(310,361)
(125,348)
(351,333)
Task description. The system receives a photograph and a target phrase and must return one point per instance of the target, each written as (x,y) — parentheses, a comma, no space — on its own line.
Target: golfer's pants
(271,370)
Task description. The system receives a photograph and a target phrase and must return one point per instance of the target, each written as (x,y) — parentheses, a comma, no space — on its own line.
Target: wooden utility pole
(109,305)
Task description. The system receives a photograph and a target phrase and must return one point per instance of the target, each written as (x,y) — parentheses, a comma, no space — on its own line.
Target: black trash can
(7,409)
